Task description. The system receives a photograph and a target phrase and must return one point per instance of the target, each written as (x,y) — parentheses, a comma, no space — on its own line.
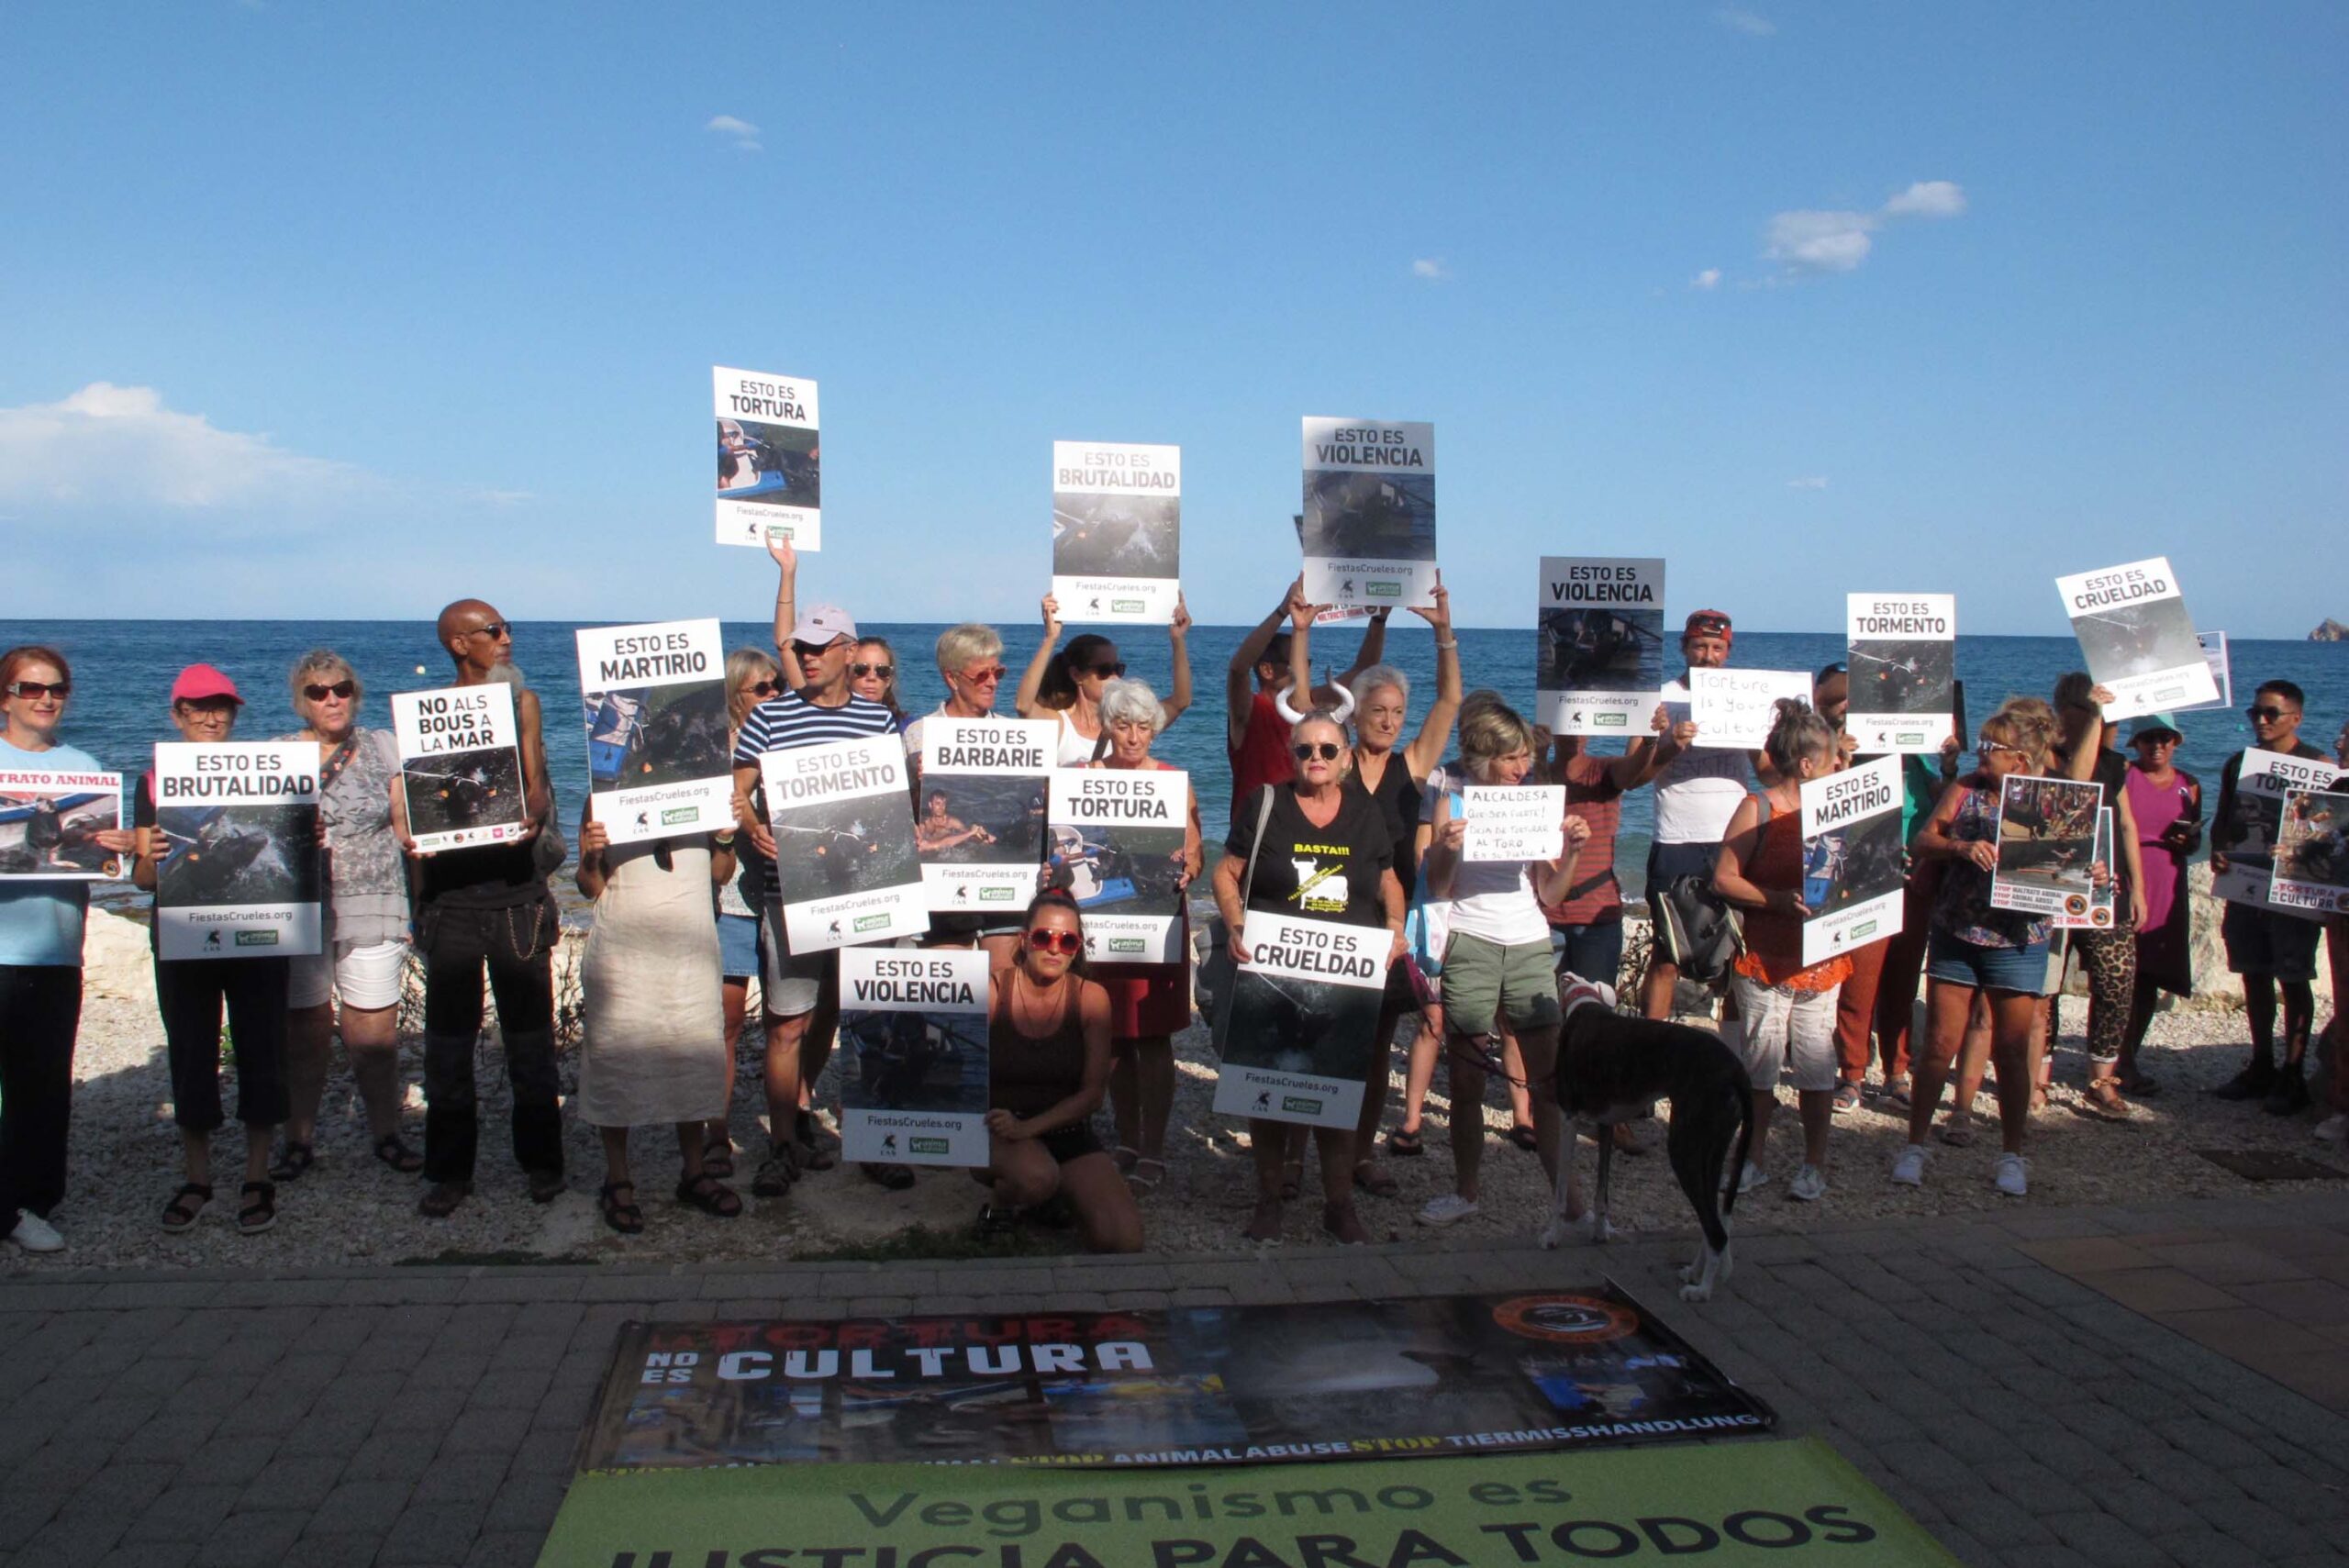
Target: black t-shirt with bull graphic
(1323,873)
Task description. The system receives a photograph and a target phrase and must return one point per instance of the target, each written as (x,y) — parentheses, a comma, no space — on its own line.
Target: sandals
(896,1178)
(717,1157)
(703,1193)
(1524,1137)
(398,1155)
(1125,1156)
(1142,1182)
(441,1200)
(259,1211)
(178,1214)
(2101,1101)
(624,1217)
(819,1149)
(1376,1182)
(1404,1145)
(776,1174)
(297,1159)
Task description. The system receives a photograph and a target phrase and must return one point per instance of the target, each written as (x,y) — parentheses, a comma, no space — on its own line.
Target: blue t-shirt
(40,921)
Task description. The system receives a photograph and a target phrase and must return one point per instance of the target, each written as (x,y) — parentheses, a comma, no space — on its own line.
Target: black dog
(1611,1068)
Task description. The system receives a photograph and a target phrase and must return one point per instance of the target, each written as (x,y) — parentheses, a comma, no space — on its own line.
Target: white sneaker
(2011,1175)
(1810,1184)
(34,1234)
(1447,1209)
(1752,1176)
(2334,1129)
(1909,1170)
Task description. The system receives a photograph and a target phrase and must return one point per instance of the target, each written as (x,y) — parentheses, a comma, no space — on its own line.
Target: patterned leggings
(2109,959)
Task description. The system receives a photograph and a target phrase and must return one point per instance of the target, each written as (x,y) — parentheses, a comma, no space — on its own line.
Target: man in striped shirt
(802,990)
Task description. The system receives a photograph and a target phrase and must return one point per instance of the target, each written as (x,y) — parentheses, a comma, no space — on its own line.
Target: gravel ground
(351,1209)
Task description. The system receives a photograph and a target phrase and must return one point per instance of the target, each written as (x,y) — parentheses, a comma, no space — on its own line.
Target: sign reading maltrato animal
(1852,872)
(460,765)
(768,484)
(914,1088)
(240,875)
(979,824)
(1600,644)
(1295,1036)
(1903,664)
(2137,638)
(654,697)
(1115,846)
(1369,529)
(50,823)
(844,843)
(2046,845)
(1116,531)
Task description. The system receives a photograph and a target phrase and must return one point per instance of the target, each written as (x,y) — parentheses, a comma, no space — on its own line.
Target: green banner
(1788,1504)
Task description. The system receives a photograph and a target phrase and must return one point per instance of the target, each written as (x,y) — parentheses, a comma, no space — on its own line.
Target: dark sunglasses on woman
(886,672)
(762,689)
(1107,672)
(34,690)
(1045,940)
(317,693)
(1307,749)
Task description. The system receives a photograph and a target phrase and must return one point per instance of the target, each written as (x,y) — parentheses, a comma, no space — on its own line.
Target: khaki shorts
(1777,1028)
(1483,982)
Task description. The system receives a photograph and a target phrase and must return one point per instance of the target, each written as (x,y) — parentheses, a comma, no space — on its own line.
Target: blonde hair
(2026,724)
(1491,732)
(322,661)
(958,645)
(740,665)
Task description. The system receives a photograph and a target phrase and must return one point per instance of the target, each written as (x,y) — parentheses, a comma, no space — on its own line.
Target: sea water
(123,669)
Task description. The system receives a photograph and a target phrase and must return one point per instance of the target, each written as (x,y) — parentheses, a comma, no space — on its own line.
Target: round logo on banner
(2103,916)
(1566,1319)
(2075,905)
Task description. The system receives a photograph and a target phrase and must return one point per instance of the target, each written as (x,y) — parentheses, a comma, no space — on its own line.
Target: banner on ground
(844,843)
(240,879)
(1852,859)
(768,484)
(2223,674)
(979,825)
(1369,528)
(1600,644)
(50,823)
(1737,708)
(1296,1038)
(2104,897)
(2266,777)
(1116,845)
(1116,531)
(1901,664)
(1513,822)
(460,765)
(659,758)
(1422,1377)
(2137,638)
(914,1090)
(2046,845)
(2312,854)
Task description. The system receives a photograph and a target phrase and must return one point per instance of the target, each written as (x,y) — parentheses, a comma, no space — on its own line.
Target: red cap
(1706,623)
(198,682)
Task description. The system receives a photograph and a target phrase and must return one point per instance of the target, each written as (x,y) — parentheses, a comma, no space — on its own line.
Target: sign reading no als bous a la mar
(460,765)
(914,1085)
(1600,644)
(1852,873)
(1293,1037)
(1116,532)
(241,877)
(659,763)
(979,824)
(844,843)
(1369,523)
(1901,670)
(769,469)
(2137,638)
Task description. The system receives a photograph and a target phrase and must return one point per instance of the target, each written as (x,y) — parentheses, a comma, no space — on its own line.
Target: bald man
(488,909)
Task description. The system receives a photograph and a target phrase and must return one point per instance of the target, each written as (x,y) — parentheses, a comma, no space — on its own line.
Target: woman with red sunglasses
(1048,1068)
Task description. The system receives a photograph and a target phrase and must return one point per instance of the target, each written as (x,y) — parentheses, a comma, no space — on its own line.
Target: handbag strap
(1256,847)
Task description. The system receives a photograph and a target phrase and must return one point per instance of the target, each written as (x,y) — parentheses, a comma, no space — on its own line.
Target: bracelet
(1448,646)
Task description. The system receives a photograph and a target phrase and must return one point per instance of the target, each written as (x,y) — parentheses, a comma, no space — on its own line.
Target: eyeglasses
(818,650)
(344,689)
(494,630)
(1045,940)
(1309,749)
(2266,715)
(34,690)
(886,672)
(761,688)
(1107,671)
(1984,748)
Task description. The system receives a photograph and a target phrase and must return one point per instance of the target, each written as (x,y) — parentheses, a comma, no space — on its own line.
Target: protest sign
(2311,869)
(2137,638)
(2216,655)
(844,843)
(1737,708)
(1902,665)
(50,823)
(2046,845)
(1518,822)
(1295,1036)
(1852,859)
(240,876)
(914,1089)
(1116,845)
(979,825)
(1369,528)
(1117,528)
(768,482)
(1600,644)
(2260,786)
(659,763)
(460,765)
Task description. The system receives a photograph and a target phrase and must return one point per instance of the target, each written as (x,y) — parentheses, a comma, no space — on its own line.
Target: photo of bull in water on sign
(1846,865)
(242,854)
(1115,535)
(1369,516)
(1301,1026)
(916,1061)
(649,736)
(1899,676)
(2142,639)
(1122,867)
(457,791)
(844,846)
(979,819)
(1595,648)
(57,834)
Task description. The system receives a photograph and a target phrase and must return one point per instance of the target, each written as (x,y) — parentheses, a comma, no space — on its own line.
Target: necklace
(1022,983)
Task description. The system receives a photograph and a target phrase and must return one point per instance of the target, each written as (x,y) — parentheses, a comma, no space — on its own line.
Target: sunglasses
(992,675)
(2266,715)
(344,689)
(886,672)
(496,629)
(818,650)
(1984,748)
(1044,940)
(60,690)
(1707,627)
(1326,749)
(761,688)
(1107,671)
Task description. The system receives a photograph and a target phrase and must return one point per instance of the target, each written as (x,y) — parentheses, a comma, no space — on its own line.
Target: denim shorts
(1961,963)
(737,946)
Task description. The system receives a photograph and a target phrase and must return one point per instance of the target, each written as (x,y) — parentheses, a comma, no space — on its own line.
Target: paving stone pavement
(429,1416)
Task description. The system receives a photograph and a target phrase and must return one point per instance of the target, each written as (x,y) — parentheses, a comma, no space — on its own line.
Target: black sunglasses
(60,690)
(761,688)
(818,650)
(2266,715)
(1326,749)
(494,629)
(886,672)
(1107,671)
(317,693)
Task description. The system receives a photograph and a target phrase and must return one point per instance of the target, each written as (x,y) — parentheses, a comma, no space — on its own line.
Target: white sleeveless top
(1493,899)
(1076,747)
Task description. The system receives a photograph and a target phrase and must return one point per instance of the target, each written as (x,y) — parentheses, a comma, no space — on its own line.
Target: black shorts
(1066,1143)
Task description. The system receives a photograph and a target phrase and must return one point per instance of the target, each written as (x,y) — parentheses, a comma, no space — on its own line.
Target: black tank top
(1027,1075)
(1398,799)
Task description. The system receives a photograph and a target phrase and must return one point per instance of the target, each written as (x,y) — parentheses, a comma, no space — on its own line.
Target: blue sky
(341,310)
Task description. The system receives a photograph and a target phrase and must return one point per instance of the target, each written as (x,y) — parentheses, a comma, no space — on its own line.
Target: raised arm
(1435,732)
(786,612)
(1238,696)
(1178,641)
(1032,680)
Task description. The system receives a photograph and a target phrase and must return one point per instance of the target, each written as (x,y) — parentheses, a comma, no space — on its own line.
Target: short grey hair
(322,661)
(958,645)
(1379,675)
(1129,702)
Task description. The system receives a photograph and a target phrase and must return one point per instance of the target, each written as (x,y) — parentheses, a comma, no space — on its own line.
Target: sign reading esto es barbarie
(979,824)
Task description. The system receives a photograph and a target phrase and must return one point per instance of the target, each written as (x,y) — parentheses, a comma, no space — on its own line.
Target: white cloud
(1711,278)
(1432,269)
(1821,241)
(742,132)
(1928,198)
(1738,19)
(119,446)
(1808,481)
